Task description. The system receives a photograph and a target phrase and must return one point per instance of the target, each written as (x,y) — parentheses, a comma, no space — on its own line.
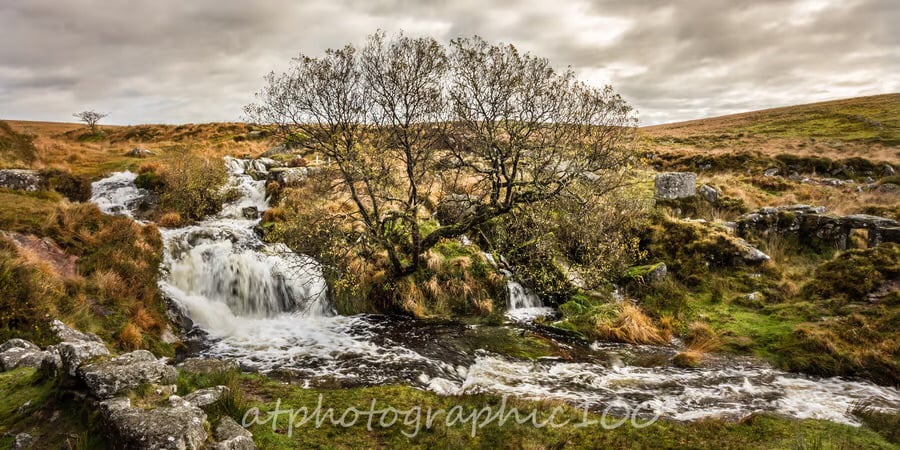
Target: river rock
(179,426)
(76,347)
(268,163)
(888,188)
(671,185)
(709,193)
(658,273)
(288,175)
(232,436)
(887,170)
(138,152)
(250,212)
(205,366)
(126,372)
(22,180)
(771,172)
(202,398)
(16,353)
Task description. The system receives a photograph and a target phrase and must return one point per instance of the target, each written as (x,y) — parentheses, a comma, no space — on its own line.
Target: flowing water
(268,308)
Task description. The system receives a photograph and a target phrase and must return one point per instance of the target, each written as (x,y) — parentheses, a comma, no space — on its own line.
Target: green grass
(26,212)
(874,119)
(761,431)
(54,417)
(58,420)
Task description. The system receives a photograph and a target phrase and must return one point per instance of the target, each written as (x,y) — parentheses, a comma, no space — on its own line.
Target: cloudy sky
(177,61)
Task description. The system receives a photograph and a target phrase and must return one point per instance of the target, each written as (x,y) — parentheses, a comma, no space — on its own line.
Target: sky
(191,61)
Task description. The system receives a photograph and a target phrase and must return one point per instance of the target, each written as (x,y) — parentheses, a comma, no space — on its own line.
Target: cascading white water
(116,194)
(523,305)
(222,273)
(268,308)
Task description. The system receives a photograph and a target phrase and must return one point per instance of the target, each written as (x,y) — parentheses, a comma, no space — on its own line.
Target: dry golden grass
(461,263)
(841,200)
(631,325)
(434,261)
(170,220)
(63,145)
(143,319)
(412,300)
(109,284)
(702,338)
(130,337)
(862,126)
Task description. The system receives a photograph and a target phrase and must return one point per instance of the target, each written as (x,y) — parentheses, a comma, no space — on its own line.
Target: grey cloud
(175,61)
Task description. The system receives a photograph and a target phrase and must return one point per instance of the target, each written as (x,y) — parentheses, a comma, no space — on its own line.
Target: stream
(268,308)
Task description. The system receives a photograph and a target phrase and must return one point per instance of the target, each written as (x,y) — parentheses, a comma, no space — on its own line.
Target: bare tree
(506,130)
(526,133)
(91,118)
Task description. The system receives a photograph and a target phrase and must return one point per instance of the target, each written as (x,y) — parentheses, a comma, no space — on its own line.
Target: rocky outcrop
(288,175)
(672,185)
(204,398)
(232,436)
(16,353)
(160,420)
(67,334)
(22,180)
(810,225)
(123,373)
(180,425)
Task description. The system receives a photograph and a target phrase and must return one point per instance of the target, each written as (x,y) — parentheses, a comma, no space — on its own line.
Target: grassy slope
(863,126)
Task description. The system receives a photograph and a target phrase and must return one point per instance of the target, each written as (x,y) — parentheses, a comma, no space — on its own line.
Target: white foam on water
(116,193)
(676,393)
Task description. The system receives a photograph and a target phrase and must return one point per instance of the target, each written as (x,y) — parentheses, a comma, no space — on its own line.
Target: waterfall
(117,193)
(520,296)
(522,304)
(222,273)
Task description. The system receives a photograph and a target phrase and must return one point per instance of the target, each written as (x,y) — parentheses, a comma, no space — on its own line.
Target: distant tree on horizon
(90,117)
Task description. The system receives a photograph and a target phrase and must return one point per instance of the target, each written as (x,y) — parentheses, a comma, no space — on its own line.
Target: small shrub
(687,358)
(73,187)
(192,187)
(298,162)
(170,220)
